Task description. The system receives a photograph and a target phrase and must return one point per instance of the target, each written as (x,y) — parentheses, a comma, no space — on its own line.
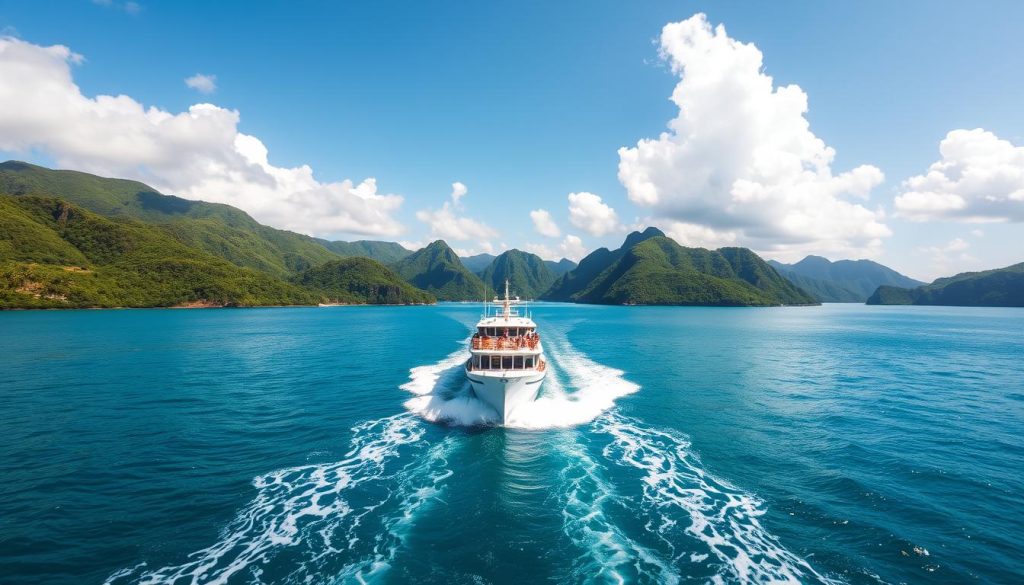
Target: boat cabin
(504,362)
(504,331)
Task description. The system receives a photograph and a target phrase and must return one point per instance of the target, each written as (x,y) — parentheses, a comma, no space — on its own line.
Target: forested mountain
(843,281)
(478,263)
(360,280)
(577,279)
(221,230)
(1002,287)
(438,270)
(652,269)
(560,267)
(71,239)
(383,252)
(527,274)
(56,254)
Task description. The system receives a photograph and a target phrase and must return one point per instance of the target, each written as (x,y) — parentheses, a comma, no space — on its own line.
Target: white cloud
(202,83)
(740,157)
(480,248)
(458,191)
(978,233)
(544,224)
(571,247)
(980,178)
(444,223)
(589,213)
(944,257)
(698,236)
(196,154)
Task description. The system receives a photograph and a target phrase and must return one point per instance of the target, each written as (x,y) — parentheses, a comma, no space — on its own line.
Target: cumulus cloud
(202,83)
(945,256)
(196,154)
(446,224)
(740,157)
(698,236)
(544,224)
(979,178)
(481,248)
(458,191)
(570,247)
(589,213)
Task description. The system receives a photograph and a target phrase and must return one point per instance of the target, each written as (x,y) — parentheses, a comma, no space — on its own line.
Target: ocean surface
(834,444)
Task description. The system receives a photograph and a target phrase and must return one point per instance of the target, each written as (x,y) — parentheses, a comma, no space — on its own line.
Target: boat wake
(576,391)
(350,516)
(694,519)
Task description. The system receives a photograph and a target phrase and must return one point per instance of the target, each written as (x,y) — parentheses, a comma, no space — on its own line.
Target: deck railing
(517,342)
(540,366)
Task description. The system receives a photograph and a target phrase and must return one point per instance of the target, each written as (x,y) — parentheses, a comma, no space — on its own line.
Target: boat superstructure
(506,364)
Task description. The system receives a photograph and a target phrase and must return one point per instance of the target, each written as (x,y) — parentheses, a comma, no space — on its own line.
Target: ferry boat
(506,364)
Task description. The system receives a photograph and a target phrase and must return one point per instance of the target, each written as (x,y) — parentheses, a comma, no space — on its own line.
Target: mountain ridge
(841,281)
(999,287)
(527,274)
(437,270)
(652,269)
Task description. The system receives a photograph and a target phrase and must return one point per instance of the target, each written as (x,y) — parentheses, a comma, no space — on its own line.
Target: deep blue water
(841,443)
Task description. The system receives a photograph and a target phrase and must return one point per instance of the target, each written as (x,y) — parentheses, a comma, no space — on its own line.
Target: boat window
(506,363)
(518,362)
(495,362)
(529,363)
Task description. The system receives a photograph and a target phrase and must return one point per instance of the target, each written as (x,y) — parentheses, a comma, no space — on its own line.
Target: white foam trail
(575,391)
(337,507)
(721,516)
(609,554)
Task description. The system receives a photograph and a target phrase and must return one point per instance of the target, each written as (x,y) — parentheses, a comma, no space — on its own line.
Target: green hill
(652,269)
(383,252)
(1002,287)
(572,283)
(823,290)
(438,270)
(220,230)
(527,274)
(560,267)
(843,281)
(478,263)
(56,254)
(360,281)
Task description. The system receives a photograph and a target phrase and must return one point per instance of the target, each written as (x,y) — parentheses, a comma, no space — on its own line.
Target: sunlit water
(824,444)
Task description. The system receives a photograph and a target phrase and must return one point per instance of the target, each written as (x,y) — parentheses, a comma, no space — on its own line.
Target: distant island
(844,281)
(73,240)
(1002,287)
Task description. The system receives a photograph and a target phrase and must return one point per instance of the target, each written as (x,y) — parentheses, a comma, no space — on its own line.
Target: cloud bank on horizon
(737,165)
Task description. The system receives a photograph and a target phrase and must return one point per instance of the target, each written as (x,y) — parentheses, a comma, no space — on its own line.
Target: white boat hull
(506,391)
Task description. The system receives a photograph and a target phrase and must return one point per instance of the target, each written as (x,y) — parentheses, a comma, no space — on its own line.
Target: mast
(507,303)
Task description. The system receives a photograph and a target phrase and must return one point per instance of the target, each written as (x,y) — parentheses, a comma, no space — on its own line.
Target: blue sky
(525,103)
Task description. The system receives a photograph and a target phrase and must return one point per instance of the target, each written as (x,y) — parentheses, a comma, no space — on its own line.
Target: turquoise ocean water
(843,444)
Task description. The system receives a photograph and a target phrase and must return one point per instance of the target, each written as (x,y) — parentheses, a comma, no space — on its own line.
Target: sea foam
(351,516)
(682,502)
